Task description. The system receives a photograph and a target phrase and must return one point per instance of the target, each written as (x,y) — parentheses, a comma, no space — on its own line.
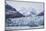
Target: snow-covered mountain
(27,8)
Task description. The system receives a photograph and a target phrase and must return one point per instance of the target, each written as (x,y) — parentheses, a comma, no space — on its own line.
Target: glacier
(26,21)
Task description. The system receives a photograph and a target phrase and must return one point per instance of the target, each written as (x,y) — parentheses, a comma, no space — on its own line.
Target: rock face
(41,14)
(11,12)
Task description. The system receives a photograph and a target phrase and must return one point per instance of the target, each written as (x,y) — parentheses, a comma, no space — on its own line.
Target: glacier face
(26,21)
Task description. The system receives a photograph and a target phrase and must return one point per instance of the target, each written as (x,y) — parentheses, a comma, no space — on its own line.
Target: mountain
(41,14)
(11,12)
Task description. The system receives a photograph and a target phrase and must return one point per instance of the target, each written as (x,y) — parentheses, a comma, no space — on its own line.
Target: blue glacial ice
(25,21)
